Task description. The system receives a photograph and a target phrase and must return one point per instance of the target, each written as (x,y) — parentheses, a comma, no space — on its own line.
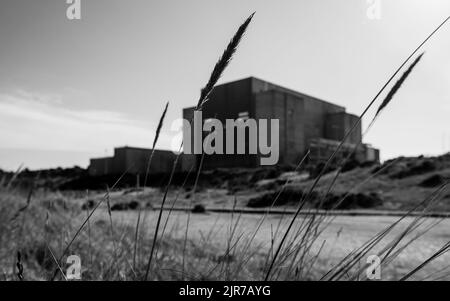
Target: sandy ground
(342,235)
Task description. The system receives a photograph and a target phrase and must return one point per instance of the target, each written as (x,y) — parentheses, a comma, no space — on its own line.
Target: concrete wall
(286,108)
(120,160)
(133,161)
(101,166)
(372,154)
(303,118)
(137,160)
(338,124)
(227,102)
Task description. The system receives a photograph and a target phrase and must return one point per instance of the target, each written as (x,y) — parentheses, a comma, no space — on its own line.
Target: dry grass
(103,258)
(217,247)
(32,233)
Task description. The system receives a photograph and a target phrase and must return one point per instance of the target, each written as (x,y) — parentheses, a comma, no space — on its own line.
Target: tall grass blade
(223,63)
(215,75)
(305,199)
(158,131)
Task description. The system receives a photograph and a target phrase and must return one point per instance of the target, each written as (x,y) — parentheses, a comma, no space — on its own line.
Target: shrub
(199,208)
(433,181)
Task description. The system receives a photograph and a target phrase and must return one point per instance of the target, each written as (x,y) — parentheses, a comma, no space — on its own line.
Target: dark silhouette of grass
(223,62)
(155,140)
(308,195)
(219,68)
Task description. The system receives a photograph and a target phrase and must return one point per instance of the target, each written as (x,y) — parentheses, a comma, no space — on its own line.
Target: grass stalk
(304,200)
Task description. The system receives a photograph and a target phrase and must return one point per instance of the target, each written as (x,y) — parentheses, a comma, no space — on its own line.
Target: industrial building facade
(305,123)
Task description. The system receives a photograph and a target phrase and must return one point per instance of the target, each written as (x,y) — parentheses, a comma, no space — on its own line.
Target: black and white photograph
(225,147)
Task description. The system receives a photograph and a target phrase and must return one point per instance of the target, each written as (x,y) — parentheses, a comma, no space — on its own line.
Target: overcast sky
(70,90)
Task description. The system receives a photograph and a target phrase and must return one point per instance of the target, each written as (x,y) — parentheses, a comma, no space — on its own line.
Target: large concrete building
(305,123)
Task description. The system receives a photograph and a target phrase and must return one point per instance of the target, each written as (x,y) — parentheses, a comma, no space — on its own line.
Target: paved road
(343,234)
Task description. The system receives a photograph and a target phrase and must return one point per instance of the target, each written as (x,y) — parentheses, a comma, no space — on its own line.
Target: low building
(133,160)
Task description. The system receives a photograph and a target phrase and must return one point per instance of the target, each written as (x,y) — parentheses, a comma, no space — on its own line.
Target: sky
(75,89)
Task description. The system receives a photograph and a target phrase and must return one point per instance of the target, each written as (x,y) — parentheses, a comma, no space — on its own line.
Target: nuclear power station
(306,124)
